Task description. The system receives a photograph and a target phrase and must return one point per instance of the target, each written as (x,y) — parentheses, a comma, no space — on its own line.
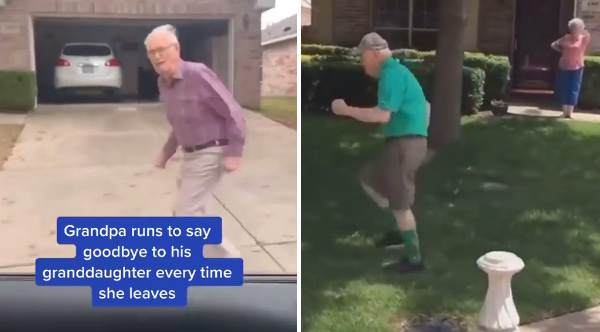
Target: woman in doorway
(572,47)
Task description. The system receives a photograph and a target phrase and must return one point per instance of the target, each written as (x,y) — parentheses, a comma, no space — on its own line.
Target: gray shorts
(392,175)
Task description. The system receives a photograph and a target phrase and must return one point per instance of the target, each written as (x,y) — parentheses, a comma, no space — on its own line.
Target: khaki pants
(391,177)
(199,176)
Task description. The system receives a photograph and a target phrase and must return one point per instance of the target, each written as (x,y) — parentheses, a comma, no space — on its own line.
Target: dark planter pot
(499,108)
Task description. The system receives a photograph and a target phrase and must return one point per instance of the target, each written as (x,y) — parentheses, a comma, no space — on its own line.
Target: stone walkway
(97,160)
(584,321)
(12,118)
(542,112)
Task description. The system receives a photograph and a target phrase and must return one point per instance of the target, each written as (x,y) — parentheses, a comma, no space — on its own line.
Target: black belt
(219,142)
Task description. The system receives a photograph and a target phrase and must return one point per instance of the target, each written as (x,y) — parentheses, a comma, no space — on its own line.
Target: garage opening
(90,43)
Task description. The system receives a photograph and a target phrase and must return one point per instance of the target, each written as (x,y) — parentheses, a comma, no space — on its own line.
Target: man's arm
(170,146)
(224,103)
(369,114)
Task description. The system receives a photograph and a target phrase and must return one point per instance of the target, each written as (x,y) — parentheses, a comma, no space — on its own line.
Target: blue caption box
(139,261)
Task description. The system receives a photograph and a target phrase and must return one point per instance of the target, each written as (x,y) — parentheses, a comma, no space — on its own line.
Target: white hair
(168,28)
(576,22)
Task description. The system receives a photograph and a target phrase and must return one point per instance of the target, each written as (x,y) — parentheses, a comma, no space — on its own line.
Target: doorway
(537,25)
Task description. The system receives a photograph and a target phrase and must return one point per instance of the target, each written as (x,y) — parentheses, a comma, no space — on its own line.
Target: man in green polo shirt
(404,112)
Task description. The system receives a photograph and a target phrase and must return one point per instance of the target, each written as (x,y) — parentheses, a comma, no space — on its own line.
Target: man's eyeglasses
(159,51)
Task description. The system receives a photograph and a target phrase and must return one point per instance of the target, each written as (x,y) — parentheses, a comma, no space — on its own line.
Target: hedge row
(496,68)
(17,91)
(589,96)
(322,82)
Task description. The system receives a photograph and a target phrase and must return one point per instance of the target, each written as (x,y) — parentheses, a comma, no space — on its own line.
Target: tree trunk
(447,93)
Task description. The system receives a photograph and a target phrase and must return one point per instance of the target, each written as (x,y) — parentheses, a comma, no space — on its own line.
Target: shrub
(312,49)
(17,90)
(473,89)
(407,53)
(589,96)
(329,81)
(322,82)
(497,73)
(336,58)
(496,68)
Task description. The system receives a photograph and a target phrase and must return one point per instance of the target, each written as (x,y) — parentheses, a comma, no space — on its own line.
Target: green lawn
(280,109)
(549,216)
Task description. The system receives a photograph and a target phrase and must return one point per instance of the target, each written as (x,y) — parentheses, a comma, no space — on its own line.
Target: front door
(537,25)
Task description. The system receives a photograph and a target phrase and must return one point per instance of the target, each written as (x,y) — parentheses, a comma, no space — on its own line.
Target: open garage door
(205,41)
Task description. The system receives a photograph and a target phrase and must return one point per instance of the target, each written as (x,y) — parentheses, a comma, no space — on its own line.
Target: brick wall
(320,30)
(351,21)
(496,26)
(280,69)
(16,42)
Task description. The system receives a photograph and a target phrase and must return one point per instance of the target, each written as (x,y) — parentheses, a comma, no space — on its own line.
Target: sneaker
(406,266)
(391,238)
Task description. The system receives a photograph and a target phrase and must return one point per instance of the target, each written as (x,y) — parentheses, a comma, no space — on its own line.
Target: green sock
(411,245)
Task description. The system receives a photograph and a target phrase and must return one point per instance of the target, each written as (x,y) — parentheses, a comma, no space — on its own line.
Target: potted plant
(499,107)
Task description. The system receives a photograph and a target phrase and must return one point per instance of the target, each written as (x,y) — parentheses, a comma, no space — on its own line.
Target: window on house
(410,23)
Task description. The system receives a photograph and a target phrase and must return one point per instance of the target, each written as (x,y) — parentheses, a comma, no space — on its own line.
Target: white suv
(88,67)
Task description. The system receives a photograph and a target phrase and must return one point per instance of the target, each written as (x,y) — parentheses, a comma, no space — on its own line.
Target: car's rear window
(86,50)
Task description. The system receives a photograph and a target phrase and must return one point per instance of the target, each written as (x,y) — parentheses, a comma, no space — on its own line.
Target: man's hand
(232,163)
(339,107)
(161,160)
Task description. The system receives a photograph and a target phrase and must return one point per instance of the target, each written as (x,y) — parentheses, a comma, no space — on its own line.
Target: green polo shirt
(402,95)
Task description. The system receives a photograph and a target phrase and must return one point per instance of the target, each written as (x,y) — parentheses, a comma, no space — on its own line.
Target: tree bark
(447,93)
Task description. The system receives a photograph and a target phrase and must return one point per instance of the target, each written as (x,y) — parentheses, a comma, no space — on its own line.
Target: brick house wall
(351,21)
(489,24)
(344,22)
(280,68)
(496,26)
(320,30)
(17,40)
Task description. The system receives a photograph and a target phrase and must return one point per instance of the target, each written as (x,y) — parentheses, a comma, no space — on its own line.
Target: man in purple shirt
(206,122)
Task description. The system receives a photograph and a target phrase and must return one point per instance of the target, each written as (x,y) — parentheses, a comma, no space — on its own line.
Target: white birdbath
(499,313)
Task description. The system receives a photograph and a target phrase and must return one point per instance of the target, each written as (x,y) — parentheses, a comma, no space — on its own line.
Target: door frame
(513,50)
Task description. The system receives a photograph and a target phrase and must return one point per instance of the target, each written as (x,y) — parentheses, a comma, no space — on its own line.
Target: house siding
(16,35)
(280,68)
(592,24)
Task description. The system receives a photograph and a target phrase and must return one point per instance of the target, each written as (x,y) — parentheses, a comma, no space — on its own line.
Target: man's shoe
(391,238)
(406,266)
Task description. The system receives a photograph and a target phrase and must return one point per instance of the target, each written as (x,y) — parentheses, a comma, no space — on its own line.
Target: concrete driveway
(97,160)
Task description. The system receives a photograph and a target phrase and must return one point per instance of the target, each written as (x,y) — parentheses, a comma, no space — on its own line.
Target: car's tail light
(112,63)
(62,63)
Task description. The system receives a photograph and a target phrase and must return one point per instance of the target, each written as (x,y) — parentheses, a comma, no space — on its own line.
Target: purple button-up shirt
(201,109)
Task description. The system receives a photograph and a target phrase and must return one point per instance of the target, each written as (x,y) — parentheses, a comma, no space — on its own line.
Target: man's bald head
(162,46)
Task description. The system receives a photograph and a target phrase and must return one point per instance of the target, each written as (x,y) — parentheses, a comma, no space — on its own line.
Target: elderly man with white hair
(403,111)
(572,47)
(207,123)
